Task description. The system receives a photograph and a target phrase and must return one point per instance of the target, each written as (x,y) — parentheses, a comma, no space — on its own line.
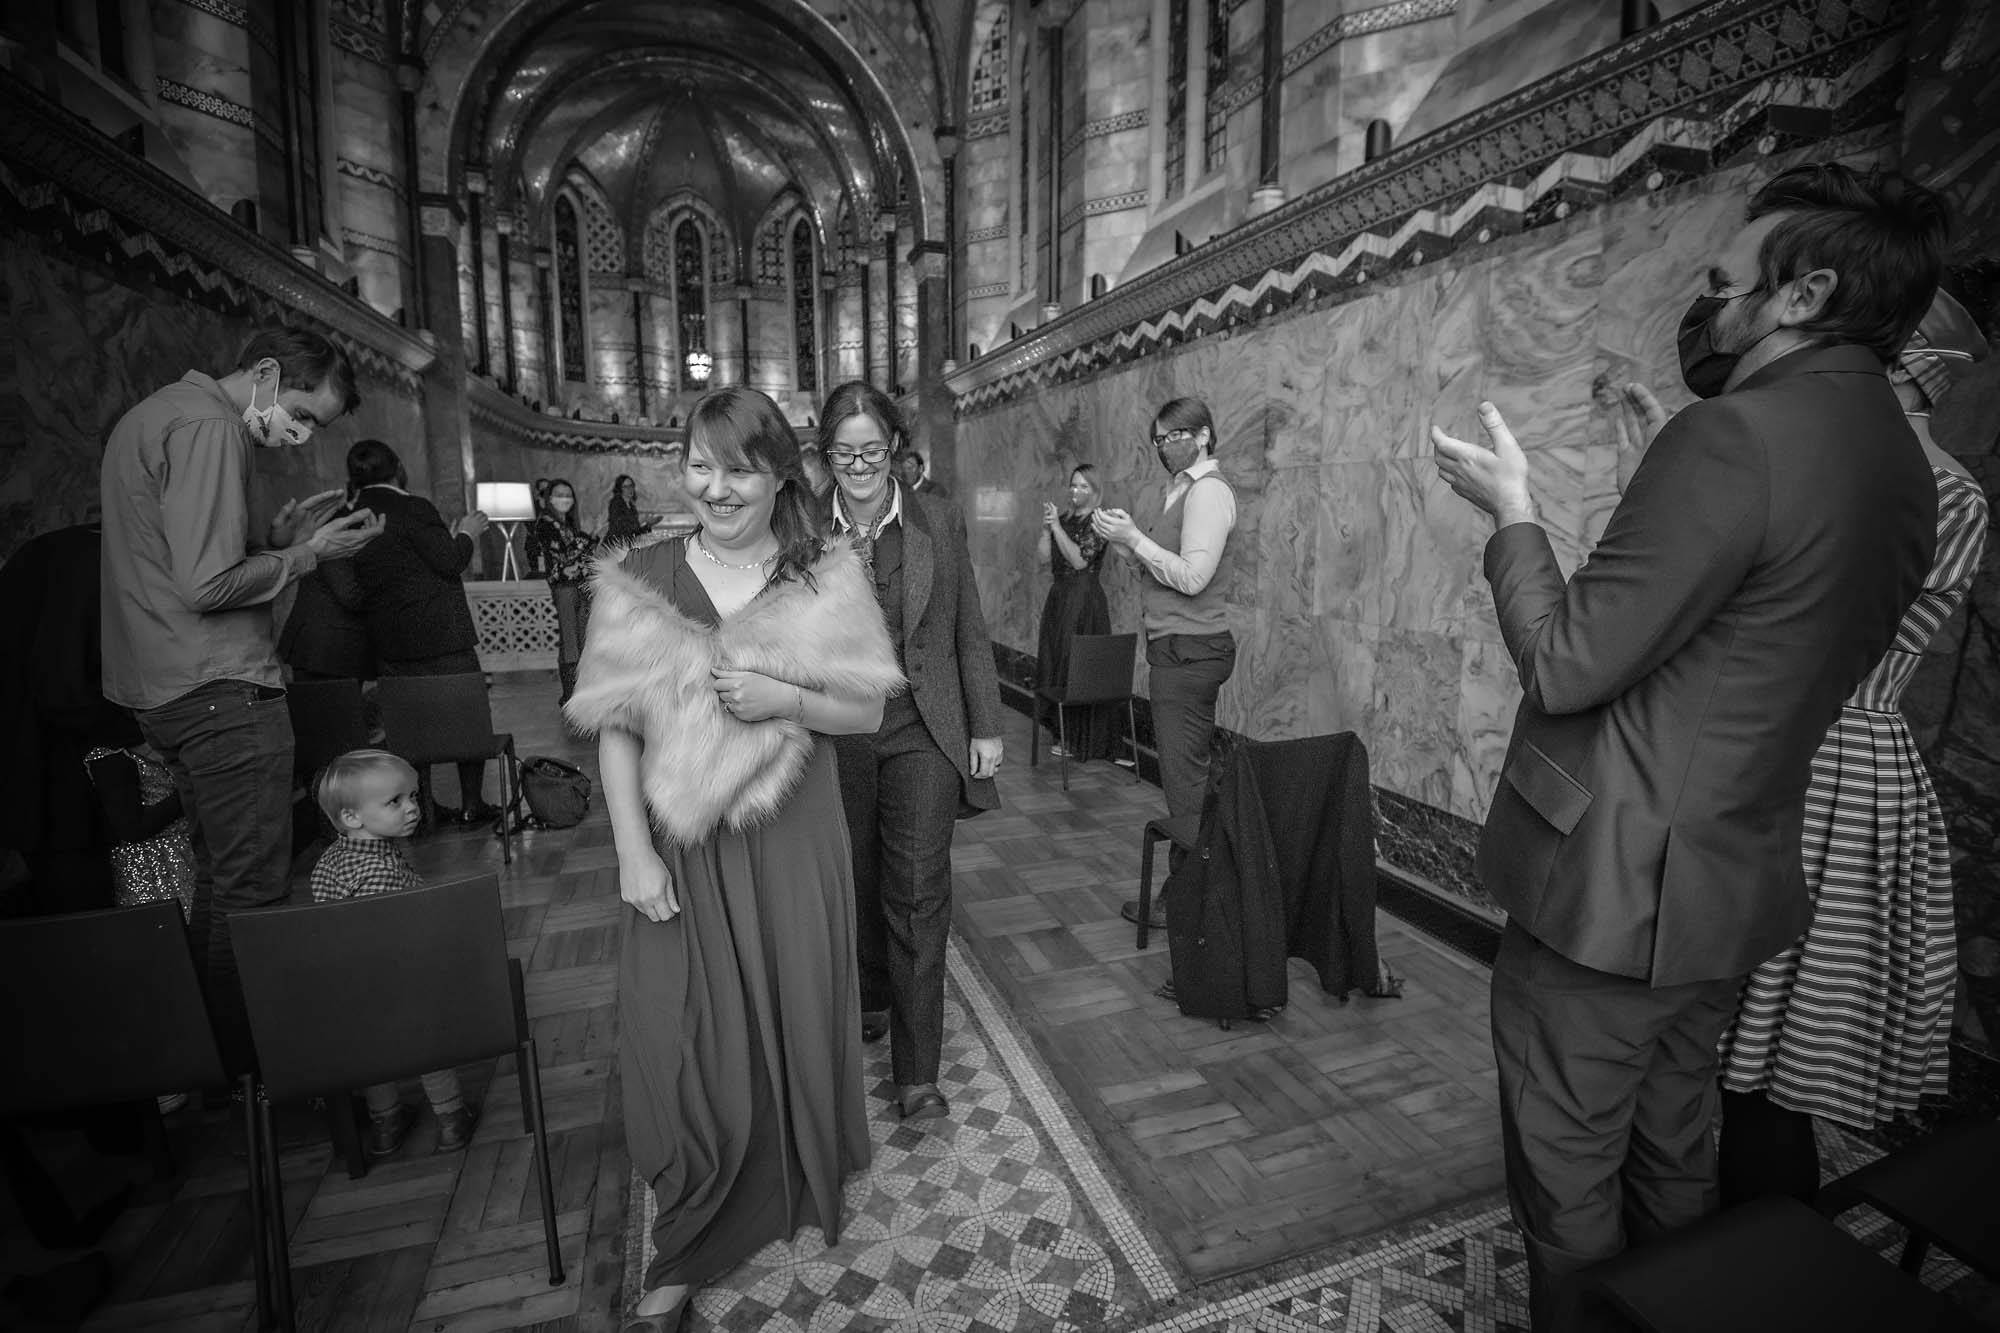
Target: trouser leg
(1187,675)
(1765,1149)
(855,757)
(1601,1128)
(918,803)
(229,747)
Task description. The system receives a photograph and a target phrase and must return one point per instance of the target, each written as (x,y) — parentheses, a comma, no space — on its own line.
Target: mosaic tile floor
(1000,1218)
(1004,1219)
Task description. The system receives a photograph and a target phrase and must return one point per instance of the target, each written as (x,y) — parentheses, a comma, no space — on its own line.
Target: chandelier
(700,365)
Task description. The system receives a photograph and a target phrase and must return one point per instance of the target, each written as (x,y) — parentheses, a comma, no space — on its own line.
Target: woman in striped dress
(1851,1022)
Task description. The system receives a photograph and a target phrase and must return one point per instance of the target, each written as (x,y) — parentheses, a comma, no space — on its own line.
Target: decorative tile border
(995,233)
(518,424)
(235,15)
(360,42)
(1113,203)
(68,186)
(1381,18)
(989,289)
(207,103)
(1688,97)
(368,175)
(1098,129)
(382,245)
(987,127)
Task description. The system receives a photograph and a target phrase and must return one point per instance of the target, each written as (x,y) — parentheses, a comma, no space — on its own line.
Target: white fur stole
(645,669)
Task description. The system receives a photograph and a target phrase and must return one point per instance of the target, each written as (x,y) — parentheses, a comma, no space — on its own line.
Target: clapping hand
(1639,419)
(1048,514)
(473,525)
(344,536)
(299,519)
(1115,526)
(1493,476)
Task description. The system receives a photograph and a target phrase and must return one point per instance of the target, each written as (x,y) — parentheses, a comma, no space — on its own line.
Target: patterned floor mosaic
(999,1218)
(1004,1219)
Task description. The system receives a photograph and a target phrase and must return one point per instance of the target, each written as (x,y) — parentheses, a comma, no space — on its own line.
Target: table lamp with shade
(507,504)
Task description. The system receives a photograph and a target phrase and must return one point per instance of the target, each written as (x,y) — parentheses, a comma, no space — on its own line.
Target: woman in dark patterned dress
(566,551)
(1075,605)
(1851,1022)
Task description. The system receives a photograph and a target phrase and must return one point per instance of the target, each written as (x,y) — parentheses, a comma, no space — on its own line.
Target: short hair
(306,361)
(372,463)
(340,780)
(1187,414)
(1883,234)
(911,454)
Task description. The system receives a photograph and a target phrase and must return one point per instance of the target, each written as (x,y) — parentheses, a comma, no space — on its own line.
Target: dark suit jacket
(1286,869)
(327,630)
(410,580)
(947,652)
(1649,813)
(928,487)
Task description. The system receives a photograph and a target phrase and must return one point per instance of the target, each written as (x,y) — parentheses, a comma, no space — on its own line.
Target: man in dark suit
(938,747)
(910,469)
(1645,834)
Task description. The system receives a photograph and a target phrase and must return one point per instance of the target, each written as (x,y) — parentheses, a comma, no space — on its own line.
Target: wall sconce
(508,504)
(700,366)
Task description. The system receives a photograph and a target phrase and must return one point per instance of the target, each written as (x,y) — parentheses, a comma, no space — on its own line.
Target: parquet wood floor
(1240,1147)
(1250,1145)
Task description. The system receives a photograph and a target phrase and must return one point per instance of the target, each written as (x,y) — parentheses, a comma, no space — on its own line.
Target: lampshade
(699,364)
(507,501)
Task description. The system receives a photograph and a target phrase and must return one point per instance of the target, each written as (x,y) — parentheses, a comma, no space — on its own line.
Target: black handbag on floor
(557,793)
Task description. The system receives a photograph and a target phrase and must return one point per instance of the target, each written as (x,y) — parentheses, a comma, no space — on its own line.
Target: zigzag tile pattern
(1718,86)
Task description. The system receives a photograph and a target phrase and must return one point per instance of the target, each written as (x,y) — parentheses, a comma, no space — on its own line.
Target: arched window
(805,279)
(691,294)
(569,290)
(1024,123)
(1215,120)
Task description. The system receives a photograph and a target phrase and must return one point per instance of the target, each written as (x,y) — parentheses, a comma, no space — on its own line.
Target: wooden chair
(1184,834)
(1941,1188)
(347,994)
(1771,1263)
(445,719)
(104,1007)
(1099,672)
(328,720)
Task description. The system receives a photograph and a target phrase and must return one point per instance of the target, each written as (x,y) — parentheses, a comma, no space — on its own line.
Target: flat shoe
(671,1321)
(1157,920)
(926,1105)
(874,1024)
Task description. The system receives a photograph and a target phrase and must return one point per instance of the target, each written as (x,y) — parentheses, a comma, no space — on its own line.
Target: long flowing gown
(1076,605)
(739,1019)
(1852,1021)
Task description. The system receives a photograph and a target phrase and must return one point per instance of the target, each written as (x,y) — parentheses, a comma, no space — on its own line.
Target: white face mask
(562,504)
(273,426)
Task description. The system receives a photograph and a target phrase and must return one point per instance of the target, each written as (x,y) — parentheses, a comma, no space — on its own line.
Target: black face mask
(1704,369)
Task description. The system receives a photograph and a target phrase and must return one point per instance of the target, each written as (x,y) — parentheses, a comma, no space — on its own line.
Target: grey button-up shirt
(185,600)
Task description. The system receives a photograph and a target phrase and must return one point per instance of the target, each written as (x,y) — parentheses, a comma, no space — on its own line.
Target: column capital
(544,257)
(409,74)
(475,179)
(503,223)
(440,215)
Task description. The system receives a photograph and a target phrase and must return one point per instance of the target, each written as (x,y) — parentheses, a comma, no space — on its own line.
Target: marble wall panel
(85,348)
(1361,602)
(1413,737)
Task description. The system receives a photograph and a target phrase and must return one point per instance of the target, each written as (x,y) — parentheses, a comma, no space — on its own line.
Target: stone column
(202,64)
(447,440)
(851,325)
(475,192)
(545,322)
(1270,116)
(409,78)
(932,423)
(368,183)
(954,283)
(876,309)
(504,225)
(892,303)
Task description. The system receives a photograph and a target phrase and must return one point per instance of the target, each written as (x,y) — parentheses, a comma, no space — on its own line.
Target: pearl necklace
(714,559)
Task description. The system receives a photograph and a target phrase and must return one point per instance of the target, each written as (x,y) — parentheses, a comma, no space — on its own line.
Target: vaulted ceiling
(735,101)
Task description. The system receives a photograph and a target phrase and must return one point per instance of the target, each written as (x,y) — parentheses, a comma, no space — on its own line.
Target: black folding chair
(104,1007)
(447,719)
(328,720)
(1941,1188)
(348,994)
(1099,672)
(1770,1263)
